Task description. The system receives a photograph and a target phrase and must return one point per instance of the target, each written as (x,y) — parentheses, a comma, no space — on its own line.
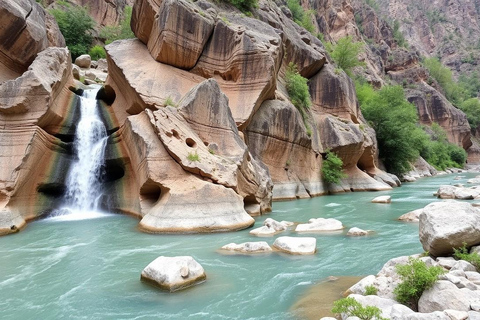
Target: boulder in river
(248,247)
(173,273)
(296,245)
(411,216)
(271,227)
(357,232)
(447,225)
(320,224)
(382,199)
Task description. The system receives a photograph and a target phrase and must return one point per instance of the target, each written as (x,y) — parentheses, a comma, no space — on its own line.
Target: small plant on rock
(297,89)
(193,157)
(416,277)
(370,291)
(352,308)
(332,171)
(462,254)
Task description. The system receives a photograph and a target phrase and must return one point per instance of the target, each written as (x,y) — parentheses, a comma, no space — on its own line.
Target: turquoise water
(90,269)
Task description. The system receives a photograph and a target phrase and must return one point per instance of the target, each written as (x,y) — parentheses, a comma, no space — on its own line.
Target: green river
(90,269)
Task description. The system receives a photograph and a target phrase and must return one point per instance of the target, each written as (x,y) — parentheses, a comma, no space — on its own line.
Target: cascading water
(84,178)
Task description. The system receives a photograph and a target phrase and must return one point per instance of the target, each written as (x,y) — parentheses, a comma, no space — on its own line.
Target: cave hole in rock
(106,94)
(113,170)
(175,134)
(191,143)
(77,91)
(206,143)
(150,193)
(53,189)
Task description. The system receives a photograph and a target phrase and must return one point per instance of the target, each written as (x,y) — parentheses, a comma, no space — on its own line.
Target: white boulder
(357,232)
(83,61)
(411,216)
(173,273)
(248,247)
(271,227)
(442,296)
(447,225)
(382,199)
(296,245)
(320,224)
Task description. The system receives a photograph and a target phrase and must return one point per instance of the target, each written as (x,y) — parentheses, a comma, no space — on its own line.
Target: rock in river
(296,245)
(173,273)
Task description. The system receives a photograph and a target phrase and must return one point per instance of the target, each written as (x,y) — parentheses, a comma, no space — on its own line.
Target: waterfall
(83,183)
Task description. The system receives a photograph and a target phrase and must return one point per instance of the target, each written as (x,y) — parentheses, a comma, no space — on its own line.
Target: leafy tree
(394,120)
(353,308)
(122,31)
(471,107)
(297,89)
(416,277)
(345,53)
(76,26)
(453,92)
(332,168)
(398,35)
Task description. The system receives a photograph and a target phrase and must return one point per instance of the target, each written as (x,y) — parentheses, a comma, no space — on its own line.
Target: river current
(90,269)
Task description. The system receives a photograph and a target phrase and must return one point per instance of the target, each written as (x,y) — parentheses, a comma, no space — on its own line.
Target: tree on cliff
(345,53)
(76,26)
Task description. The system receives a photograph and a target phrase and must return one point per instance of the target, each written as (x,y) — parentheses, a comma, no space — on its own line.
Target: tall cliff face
(385,60)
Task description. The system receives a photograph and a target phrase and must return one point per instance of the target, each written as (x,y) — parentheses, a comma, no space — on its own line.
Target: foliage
(169,102)
(193,157)
(244,5)
(370,290)
(332,171)
(97,52)
(439,152)
(300,16)
(394,120)
(76,26)
(122,31)
(352,308)
(471,107)
(443,75)
(398,35)
(297,89)
(462,254)
(416,277)
(345,53)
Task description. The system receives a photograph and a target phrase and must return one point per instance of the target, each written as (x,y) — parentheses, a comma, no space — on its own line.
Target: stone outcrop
(441,231)
(173,273)
(26,30)
(382,199)
(460,193)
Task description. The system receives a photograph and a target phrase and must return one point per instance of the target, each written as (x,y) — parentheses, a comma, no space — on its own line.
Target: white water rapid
(84,178)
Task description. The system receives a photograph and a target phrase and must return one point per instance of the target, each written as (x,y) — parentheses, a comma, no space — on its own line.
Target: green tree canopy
(345,53)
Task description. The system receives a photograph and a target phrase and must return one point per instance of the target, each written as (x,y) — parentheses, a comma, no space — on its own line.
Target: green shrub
(462,254)
(193,157)
(122,31)
(416,277)
(244,5)
(370,291)
(352,308)
(297,89)
(471,107)
(440,153)
(345,53)
(97,52)
(332,168)
(398,35)
(76,26)
(169,102)
(300,16)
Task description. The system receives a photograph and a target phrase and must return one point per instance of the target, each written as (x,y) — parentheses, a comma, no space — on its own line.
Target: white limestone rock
(173,273)
(249,247)
(411,216)
(83,61)
(355,232)
(382,199)
(444,295)
(271,227)
(440,230)
(296,245)
(320,224)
